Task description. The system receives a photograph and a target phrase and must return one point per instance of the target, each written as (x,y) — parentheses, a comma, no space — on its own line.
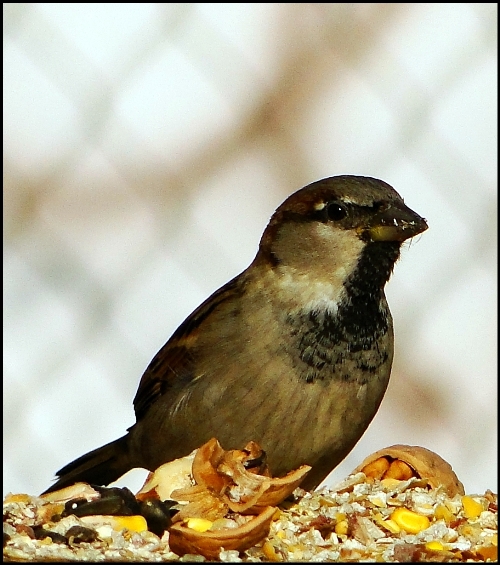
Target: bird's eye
(336,211)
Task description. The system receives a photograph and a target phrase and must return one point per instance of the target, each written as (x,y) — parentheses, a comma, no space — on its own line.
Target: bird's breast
(352,343)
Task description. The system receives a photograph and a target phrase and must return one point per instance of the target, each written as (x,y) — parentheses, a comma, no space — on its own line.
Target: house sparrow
(294,353)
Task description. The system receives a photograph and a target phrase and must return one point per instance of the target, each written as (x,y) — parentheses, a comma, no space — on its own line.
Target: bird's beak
(395,223)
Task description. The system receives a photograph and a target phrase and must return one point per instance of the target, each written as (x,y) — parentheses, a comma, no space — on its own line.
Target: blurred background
(146,147)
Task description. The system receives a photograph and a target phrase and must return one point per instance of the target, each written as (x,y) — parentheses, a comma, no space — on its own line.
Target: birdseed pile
(370,516)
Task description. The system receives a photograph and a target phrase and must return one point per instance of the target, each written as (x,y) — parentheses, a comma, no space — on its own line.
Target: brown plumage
(294,353)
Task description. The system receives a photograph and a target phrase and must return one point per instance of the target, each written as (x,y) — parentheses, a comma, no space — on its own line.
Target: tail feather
(100,466)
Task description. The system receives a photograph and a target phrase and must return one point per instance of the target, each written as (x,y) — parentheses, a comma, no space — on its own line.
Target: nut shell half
(397,461)
(184,540)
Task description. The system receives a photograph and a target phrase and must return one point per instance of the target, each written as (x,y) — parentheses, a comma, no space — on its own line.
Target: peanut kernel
(399,470)
(376,469)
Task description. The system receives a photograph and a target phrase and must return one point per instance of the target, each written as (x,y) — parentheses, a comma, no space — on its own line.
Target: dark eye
(336,211)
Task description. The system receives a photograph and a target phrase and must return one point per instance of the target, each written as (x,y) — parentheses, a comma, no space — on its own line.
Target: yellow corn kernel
(269,551)
(281,534)
(16,498)
(472,508)
(443,513)
(132,523)
(391,526)
(410,521)
(198,524)
(341,528)
(434,546)
(488,552)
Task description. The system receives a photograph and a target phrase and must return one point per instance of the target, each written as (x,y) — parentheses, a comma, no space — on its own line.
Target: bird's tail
(100,466)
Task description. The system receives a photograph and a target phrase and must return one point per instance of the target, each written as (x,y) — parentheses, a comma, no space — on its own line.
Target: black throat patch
(349,344)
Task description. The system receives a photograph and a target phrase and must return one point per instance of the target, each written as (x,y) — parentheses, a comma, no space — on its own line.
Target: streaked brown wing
(175,364)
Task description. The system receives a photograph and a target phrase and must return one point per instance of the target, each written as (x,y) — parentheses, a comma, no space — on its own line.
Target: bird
(294,353)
